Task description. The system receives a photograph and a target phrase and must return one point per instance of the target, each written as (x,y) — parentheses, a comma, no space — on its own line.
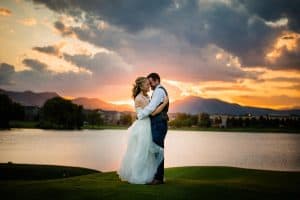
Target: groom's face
(153,83)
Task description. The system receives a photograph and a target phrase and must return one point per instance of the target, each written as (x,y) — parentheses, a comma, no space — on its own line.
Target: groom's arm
(157,98)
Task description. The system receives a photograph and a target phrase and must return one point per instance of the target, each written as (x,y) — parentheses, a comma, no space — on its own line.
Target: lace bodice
(141,101)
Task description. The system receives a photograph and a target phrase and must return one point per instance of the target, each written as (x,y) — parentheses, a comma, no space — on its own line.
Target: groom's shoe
(155,182)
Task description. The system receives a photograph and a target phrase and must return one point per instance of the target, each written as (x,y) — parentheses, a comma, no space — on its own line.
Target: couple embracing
(143,161)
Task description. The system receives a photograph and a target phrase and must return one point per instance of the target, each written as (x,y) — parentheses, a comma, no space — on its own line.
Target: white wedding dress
(142,156)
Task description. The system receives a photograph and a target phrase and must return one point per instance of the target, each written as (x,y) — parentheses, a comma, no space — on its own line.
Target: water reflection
(103,149)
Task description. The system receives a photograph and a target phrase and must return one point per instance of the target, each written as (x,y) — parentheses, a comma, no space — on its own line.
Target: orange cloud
(5,12)
(55,64)
(276,89)
(28,22)
(288,41)
(276,102)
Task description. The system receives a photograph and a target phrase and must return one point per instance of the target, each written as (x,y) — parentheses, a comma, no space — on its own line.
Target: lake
(103,149)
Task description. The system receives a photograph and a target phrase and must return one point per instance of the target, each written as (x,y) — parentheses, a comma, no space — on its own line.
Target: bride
(143,156)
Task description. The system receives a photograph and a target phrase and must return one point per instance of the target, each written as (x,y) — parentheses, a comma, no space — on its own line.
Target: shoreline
(92,170)
(32,125)
(211,129)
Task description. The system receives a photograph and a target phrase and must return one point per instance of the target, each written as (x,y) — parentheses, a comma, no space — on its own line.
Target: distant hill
(191,104)
(194,105)
(94,103)
(29,98)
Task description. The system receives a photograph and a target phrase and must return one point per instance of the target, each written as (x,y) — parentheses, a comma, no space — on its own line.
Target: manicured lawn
(181,183)
(11,171)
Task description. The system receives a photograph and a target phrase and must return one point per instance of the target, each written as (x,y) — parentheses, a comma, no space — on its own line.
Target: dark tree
(204,120)
(5,110)
(184,120)
(94,118)
(59,113)
(9,110)
(18,111)
(125,119)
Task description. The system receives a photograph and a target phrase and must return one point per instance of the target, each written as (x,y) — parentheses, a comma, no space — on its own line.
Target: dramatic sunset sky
(241,51)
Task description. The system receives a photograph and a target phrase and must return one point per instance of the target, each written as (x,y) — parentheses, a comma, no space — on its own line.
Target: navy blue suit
(159,128)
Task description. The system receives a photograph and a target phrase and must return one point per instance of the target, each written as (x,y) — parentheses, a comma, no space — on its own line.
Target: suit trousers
(159,128)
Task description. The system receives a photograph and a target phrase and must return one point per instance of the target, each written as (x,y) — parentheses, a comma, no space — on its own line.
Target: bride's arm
(157,96)
(160,107)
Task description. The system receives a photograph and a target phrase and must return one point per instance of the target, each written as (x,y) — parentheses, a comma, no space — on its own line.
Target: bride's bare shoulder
(139,101)
(138,98)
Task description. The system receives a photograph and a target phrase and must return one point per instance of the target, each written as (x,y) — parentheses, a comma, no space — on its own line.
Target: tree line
(9,110)
(60,113)
(188,120)
(56,113)
(204,120)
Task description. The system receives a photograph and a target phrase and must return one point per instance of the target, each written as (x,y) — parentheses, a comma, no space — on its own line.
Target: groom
(159,122)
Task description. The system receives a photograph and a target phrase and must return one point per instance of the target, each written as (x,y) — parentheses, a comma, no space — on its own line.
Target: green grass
(181,183)
(11,171)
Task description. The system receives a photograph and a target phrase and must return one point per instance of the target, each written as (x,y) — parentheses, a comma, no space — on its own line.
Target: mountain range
(190,104)
(93,103)
(194,105)
(30,98)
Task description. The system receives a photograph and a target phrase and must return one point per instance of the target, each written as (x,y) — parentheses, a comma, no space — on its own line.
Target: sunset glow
(98,52)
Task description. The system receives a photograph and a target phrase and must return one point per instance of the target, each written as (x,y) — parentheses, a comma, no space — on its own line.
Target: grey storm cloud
(35,64)
(101,64)
(52,50)
(273,10)
(109,67)
(6,72)
(26,78)
(41,80)
(196,63)
(106,68)
(239,26)
(153,50)
(62,28)
(133,15)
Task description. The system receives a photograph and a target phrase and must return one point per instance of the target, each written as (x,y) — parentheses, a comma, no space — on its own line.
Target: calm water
(103,149)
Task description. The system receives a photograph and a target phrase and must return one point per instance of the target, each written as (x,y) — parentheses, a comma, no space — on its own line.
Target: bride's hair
(137,86)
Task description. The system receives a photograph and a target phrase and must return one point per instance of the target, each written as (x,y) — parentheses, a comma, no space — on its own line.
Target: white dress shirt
(157,97)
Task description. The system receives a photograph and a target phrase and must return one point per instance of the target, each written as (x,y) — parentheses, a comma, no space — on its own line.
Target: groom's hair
(154,76)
